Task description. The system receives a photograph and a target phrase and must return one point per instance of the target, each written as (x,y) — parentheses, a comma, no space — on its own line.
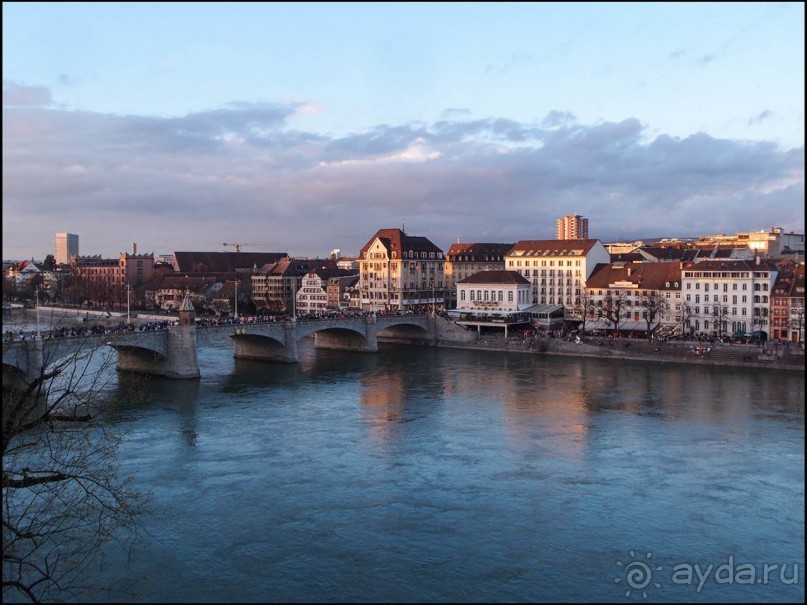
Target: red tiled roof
(647,276)
(477,250)
(396,240)
(495,277)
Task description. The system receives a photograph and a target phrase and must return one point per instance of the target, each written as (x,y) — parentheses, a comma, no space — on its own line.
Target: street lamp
(38,336)
(236,299)
(128,315)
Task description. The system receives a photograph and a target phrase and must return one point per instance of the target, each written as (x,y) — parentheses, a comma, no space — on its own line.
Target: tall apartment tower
(572,227)
(66,247)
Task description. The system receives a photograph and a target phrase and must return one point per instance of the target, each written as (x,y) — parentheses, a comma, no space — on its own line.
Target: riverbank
(746,356)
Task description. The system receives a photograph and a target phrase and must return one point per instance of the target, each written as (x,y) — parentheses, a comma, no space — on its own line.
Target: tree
(797,318)
(49,264)
(654,305)
(687,312)
(63,497)
(613,308)
(719,315)
(585,308)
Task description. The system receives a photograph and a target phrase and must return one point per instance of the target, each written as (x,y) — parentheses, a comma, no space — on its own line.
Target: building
(464,260)
(493,298)
(66,248)
(728,297)
(787,303)
(275,286)
(636,296)
(572,226)
(338,290)
(313,294)
(105,280)
(400,271)
(774,243)
(557,269)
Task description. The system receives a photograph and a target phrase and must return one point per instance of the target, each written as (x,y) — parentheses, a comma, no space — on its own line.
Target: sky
(305,127)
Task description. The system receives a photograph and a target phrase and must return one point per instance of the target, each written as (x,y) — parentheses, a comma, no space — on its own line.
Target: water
(421,474)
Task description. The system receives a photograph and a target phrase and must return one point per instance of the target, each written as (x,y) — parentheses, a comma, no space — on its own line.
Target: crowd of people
(100,328)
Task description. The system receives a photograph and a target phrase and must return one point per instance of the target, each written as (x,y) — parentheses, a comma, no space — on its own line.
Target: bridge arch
(263,347)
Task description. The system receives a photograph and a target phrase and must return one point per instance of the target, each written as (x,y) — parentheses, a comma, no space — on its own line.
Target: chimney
(134,248)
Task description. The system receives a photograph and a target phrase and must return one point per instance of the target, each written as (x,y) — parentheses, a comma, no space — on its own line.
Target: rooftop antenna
(403,228)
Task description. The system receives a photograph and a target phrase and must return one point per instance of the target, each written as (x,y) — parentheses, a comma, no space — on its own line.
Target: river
(441,475)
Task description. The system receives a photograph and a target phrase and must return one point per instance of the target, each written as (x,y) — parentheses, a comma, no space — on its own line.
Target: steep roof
(298,267)
(646,276)
(478,251)
(395,240)
(223,261)
(495,277)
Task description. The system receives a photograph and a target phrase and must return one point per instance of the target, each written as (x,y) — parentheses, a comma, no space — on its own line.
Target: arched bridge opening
(344,339)
(404,333)
(138,359)
(263,348)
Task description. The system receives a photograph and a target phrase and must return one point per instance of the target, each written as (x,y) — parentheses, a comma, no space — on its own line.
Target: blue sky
(309,126)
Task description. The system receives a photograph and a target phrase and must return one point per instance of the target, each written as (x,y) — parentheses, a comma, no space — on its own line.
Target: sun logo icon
(638,574)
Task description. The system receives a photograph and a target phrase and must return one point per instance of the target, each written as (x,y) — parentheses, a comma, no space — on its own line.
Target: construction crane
(239,246)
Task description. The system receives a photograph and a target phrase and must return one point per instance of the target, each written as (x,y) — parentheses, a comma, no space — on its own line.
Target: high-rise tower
(572,226)
(66,247)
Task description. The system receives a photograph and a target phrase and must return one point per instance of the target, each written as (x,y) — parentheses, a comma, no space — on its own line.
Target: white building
(642,290)
(312,297)
(737,292)
(494,291)
(557,269)
(493,298)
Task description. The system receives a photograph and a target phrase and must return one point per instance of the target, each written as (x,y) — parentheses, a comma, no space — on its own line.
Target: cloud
(242,173)
(758,119)
(20,95)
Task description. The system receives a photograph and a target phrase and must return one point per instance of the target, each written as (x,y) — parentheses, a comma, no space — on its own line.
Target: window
(510,296)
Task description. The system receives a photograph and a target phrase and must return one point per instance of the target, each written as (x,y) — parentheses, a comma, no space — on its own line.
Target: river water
(429,474)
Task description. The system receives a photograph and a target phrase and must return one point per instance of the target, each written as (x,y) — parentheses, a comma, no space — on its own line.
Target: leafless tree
(63,497)
(613,308)
(719,315)
(685,317)
(797,318)
(654,304)
(585,308)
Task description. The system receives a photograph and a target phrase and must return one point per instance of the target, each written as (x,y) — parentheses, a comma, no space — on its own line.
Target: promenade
(768,356)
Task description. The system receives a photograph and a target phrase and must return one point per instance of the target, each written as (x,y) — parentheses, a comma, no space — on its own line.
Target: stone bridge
(173,352)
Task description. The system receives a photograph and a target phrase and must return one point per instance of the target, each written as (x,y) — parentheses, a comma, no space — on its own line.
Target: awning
(546,309)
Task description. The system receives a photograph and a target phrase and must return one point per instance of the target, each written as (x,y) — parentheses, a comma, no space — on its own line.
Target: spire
(187,305)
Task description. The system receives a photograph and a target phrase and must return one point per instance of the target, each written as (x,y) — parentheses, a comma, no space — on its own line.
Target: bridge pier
(180,361)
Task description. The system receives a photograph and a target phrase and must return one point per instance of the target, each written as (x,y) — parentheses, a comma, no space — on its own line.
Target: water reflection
(434,475)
